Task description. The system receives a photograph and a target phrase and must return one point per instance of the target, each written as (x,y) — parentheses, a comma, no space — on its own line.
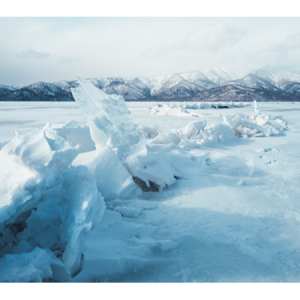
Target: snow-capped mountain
(231,92)
(217,75)
(200,79)
(41,91)
(293,88)
(5,89)
(254,81)
(130,89)
(177,87)
(265,84)
(279,76)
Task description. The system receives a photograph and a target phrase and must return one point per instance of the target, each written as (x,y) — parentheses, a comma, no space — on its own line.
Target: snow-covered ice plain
(230,212)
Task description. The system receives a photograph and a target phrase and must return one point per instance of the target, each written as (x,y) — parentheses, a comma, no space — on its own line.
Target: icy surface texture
(108,118)
(26,267)
(168,110)
(151,167)
(195,134)
(256,124)
(52,204)
(53,186)
(111,125)
(198,133)
(180,108)
(207,105)
(54,182)
(233,216)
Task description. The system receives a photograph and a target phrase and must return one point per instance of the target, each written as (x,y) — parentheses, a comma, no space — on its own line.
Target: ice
(256,124)
(192,129)
(151,167)
(71,210)
(196,134)
(168,110)
(55,205)
(65,174)
(150,131)
(111,177)
(170,137)
(111,125)
(242,125)
(181,108)
(108,118)
(26,267)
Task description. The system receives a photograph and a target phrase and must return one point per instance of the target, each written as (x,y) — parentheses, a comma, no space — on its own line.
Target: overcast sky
(53,49)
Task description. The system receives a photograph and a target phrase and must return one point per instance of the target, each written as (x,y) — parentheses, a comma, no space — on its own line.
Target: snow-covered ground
(232,215)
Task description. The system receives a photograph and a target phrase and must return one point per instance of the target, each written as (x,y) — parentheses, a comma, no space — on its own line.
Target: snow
(180,108)
(168,110)
(226,209)
(256,124)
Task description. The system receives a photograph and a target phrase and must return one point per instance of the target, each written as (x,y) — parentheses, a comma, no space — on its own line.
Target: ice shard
(111,124)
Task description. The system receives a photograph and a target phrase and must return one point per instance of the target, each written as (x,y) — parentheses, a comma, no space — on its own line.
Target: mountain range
(265,84)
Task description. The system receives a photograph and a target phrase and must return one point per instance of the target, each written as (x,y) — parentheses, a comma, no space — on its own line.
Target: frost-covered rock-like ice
(54,181)
(198,133)
(168,110)
(195,134)
(53,185)
(108,118)
(111,177)
(151,167)
(192,129)
(26,267)
(111,125)
(256,124)
(53,204)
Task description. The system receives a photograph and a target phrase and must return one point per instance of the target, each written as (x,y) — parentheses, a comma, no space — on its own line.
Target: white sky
(53,49)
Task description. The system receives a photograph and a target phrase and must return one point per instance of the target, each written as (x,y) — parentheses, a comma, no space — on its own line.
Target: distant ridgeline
(265,84)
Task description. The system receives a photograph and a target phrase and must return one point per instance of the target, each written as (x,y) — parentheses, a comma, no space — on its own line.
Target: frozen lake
(25,116)
(233,216)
